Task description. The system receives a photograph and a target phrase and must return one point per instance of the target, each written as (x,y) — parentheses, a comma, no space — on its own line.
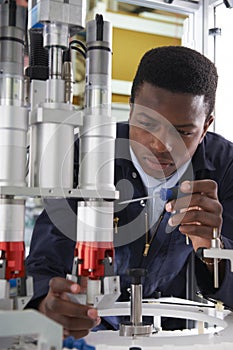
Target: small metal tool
(136,327)
(216,244)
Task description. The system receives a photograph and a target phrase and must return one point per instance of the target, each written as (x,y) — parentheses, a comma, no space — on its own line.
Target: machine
(38,126)
(48,119)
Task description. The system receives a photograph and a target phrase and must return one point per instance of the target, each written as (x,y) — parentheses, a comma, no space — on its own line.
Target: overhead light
(159,17)
(228,3)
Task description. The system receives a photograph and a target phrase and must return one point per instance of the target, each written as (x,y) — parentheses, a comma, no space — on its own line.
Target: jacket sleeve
(52,246)
(204,279)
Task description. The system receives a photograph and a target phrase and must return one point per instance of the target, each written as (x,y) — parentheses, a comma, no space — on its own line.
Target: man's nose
(161,140)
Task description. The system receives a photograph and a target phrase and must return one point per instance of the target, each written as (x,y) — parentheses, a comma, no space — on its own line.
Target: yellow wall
(120,98)
(128,48)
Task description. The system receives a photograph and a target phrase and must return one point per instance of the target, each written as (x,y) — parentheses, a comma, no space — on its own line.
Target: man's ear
(130,109)
(206,127)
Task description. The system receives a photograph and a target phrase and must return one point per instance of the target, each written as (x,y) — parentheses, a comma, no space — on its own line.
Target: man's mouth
(157,164)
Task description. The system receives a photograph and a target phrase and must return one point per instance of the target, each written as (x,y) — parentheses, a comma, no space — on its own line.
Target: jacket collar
(122,152)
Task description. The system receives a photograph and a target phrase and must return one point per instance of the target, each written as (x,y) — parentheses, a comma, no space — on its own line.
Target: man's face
(166,128)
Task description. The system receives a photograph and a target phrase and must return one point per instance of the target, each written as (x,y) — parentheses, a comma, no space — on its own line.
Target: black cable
(79,50)
(12,13)
(215,301)
(100,27)
(79,42)
(66,55)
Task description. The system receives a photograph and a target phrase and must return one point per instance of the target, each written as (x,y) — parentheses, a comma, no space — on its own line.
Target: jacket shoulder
(217,146)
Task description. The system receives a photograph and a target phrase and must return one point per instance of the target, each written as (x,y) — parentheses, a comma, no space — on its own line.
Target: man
(165,144)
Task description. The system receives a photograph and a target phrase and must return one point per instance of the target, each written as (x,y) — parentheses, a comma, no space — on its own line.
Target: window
(223,56)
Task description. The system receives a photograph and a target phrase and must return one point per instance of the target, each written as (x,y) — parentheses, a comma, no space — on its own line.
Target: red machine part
(14,254)
(91,257)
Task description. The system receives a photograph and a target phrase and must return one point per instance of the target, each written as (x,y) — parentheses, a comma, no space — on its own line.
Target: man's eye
(145,124)
(149,125)
(184,133)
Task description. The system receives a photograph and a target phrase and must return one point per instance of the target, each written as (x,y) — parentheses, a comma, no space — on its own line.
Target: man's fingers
(196,200)
(209,187)
(206,200)
(68,308)
(197,231)
(76,319)
(60,285)
(197,217)
(199,235)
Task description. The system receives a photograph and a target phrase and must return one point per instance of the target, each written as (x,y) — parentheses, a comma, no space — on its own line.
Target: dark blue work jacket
(51,252)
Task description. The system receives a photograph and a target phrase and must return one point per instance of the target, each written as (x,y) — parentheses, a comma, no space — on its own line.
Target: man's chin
(160,174)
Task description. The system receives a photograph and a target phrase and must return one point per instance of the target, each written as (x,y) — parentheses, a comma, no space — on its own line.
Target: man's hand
(76,319)
(198,212)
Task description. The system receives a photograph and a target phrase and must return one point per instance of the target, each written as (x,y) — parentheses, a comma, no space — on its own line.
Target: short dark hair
(178,69)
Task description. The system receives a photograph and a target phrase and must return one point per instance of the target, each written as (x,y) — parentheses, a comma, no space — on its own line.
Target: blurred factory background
(138,25)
